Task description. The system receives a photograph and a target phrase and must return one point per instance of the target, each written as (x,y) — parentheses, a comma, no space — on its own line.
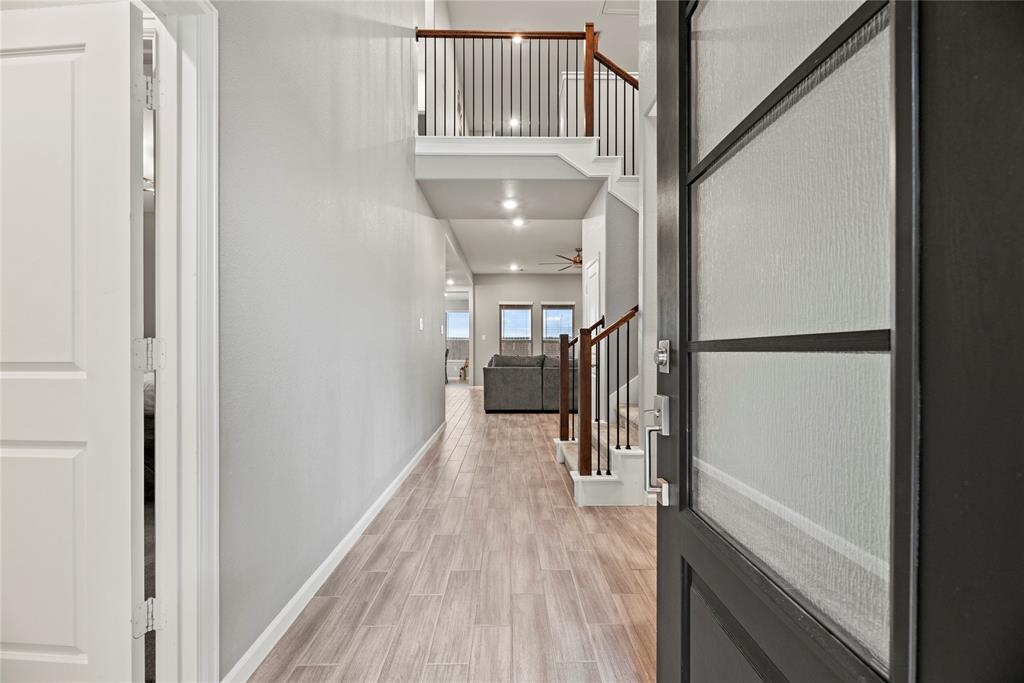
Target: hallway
(481,568)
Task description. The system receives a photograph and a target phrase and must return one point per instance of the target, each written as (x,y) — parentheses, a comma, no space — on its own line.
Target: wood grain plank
(454,632)
(406,657)
(434,571)
(526,576)
(491,660)
(577,672)
(595,596)
(569,633)
(386,551)
(494,605)
(445,673)
(349,567)
(366,652)
(285,655)
(313,674)
(615,656)
(532,654)
(331,642)
(387,606)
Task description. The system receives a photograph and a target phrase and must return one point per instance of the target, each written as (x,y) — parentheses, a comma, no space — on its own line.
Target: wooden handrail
(600,321)
(476,33)
(604,334)
(617,70)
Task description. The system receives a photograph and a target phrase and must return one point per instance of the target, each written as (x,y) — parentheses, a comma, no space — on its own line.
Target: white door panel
(70,224)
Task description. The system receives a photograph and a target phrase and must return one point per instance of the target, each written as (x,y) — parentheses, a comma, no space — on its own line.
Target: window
(457,332)
(556,321)
(516,330)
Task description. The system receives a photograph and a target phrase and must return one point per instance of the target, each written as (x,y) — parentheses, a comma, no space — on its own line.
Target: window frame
(502,339)
(448,327)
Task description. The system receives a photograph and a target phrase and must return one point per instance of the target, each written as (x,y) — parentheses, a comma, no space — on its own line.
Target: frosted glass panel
(792,233)
(742,50)
(791,459)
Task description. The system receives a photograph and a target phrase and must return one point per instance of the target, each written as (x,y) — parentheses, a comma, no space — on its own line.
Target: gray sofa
(527,384)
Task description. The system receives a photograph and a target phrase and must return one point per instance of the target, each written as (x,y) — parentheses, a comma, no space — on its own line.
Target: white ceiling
(481,199)
(491,246)
(619,37)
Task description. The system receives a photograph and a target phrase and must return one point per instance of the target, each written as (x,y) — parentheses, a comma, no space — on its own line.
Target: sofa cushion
(499,361)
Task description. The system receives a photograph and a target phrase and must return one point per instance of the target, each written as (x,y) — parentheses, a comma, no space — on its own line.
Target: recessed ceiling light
(517,39)
(518,222)
(451,281)
(510,203)
(513,123)
(446,293)
(514,267)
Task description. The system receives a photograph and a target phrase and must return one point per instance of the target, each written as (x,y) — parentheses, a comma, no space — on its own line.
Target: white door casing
(71,423)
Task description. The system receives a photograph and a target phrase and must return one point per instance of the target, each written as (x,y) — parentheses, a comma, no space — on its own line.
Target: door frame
(764,606)
(187,294)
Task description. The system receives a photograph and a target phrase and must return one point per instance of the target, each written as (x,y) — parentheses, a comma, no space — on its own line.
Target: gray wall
(491,289)
(329,258)
(622,277)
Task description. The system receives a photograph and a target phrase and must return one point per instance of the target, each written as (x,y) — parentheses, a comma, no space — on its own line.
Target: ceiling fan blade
(563,257)
(566,268)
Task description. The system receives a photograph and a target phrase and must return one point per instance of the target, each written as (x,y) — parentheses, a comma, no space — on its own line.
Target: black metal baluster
(558,83)
(444,85)
(597,408)
(576,86)
(501,88)
(608,405)
(492,86)
(573,408)
(529,88)
(426,81)
(618,389)
(463,86)
(627,382)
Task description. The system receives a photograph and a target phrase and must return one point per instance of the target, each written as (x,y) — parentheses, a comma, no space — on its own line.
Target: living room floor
(481,568)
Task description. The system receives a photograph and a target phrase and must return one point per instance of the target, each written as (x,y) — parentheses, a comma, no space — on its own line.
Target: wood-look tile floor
(481,568)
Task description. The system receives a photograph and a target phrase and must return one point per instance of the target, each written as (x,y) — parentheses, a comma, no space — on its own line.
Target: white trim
(558,303)
(515,303)
(207,510)
(187,538)
(851,551)
(262,646)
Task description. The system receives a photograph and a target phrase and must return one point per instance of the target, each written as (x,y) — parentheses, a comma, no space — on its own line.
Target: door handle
(661,426)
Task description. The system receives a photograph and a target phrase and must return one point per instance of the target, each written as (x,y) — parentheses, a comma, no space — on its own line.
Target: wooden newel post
(588,81)
(585,404)
(563,387)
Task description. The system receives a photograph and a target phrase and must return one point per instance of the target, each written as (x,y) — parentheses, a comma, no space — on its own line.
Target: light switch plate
(421,324)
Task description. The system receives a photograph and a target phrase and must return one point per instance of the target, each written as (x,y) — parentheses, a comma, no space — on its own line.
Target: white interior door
(592,292)
(70,252)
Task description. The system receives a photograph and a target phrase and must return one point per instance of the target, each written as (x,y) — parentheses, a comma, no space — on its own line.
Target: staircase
(601,446)
(624,485)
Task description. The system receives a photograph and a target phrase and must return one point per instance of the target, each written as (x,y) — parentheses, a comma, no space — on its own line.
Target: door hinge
(146,618)
(148,353)
(151,102)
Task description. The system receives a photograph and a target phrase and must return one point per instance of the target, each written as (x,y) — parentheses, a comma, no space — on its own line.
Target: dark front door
(839,273)
(785,546)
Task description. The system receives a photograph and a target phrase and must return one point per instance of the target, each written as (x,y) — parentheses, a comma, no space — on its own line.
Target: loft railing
(595,403)
(527,84)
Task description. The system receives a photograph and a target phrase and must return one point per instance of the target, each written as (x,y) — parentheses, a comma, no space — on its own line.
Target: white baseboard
(266,641)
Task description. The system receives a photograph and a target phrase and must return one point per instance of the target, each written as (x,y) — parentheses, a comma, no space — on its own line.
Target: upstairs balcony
(530,84)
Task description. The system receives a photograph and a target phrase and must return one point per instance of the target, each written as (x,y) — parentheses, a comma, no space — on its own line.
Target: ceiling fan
(574,261)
